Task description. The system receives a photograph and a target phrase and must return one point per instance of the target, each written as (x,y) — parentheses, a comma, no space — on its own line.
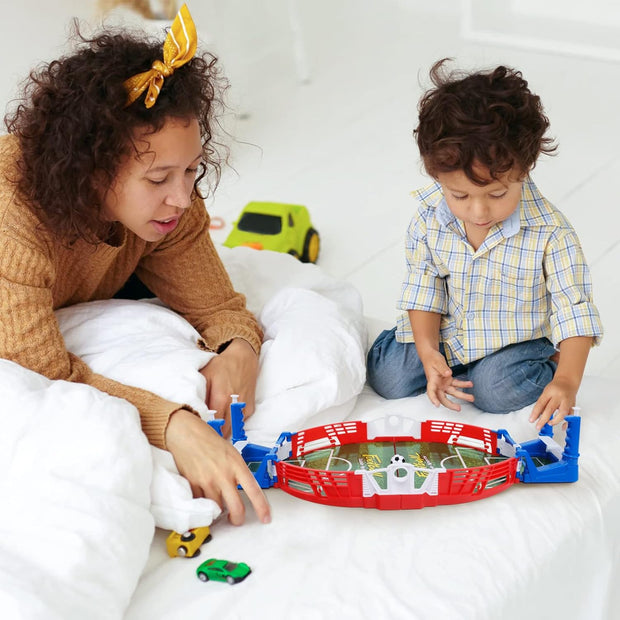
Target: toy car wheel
(312,245)
(293,253)
(230,580)
(203,577)
(182,551)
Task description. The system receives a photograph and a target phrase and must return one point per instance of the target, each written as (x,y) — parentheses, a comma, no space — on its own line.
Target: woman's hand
(213,466)
(440,383)
(233,371)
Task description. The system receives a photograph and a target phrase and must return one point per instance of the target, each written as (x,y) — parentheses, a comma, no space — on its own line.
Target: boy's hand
(213,466)
(440,383)
(555,403)
(561,393)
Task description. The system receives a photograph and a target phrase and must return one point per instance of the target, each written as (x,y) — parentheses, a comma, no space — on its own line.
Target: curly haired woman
(99,180)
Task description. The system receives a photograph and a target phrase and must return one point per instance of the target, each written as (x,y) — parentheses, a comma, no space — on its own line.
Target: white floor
(325,97)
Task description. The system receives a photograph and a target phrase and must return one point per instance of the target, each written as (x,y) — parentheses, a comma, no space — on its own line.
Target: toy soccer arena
(398,463)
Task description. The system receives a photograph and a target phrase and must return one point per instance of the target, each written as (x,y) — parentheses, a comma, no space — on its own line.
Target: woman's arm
(185,271)
(31,337)
(213,467)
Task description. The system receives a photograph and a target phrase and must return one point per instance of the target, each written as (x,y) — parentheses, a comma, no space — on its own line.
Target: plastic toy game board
(398,463)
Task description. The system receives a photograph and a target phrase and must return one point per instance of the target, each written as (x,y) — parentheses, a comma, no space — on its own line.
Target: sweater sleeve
(185,271)
(31,337)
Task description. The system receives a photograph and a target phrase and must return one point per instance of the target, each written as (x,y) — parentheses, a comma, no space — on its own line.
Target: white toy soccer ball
(397,459)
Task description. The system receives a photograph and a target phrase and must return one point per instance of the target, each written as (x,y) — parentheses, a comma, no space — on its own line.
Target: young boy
(496,278)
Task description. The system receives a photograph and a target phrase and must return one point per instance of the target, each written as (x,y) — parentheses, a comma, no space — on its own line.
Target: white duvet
(81,488)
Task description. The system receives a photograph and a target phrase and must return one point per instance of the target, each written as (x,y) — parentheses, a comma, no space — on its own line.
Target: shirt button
(470,315)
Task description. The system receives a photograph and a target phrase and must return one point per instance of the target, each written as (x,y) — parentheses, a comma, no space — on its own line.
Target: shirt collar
(536,210)
(533,209)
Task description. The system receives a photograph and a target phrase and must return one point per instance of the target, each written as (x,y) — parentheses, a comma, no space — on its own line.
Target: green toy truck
(278,227)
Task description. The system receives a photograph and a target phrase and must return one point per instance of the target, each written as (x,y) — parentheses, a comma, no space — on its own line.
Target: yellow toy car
(278,227)
(187,544)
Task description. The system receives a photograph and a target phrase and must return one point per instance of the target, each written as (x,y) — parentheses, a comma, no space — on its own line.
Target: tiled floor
(326,94)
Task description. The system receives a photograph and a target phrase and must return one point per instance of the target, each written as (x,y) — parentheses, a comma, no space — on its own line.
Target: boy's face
(153,189)
(480,207)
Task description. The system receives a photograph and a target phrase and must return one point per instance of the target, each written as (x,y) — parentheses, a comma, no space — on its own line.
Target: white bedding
(82,489)
(531,551)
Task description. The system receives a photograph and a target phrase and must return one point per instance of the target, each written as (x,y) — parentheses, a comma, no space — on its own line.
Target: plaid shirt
(527,280)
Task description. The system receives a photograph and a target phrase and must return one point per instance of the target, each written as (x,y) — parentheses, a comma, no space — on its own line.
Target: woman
(99,179)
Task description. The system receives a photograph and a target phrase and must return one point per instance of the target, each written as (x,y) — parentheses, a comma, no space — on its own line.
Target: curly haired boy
(497,293)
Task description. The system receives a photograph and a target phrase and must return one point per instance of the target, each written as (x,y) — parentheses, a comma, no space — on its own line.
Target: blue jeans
(504,381)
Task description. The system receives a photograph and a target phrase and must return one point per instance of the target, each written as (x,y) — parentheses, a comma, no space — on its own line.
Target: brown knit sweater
(39,274)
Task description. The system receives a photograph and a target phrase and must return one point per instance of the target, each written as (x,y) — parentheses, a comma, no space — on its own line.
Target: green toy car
(278,227)
(223,570)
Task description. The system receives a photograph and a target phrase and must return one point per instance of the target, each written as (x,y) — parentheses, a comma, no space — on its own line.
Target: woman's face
(154,187)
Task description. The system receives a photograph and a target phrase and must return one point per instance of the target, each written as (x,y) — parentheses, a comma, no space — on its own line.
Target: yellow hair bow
(179,47)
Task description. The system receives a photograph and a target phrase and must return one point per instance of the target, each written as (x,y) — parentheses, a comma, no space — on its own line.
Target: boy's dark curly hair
(488,118)
(74,129)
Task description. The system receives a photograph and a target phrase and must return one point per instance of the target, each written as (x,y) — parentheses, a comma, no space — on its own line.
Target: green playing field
(378,455)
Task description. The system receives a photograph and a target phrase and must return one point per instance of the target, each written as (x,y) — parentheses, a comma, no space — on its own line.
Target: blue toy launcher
(260,459)
(562,464)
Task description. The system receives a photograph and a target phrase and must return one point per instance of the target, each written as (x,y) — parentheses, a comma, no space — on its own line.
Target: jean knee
(386,384)
(383,378)
(392,368)
(502,390)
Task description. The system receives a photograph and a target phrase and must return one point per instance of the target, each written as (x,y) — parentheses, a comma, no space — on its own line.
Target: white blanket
(531,551)
(81,487)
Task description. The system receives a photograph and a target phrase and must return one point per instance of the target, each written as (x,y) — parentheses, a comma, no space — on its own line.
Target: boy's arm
(561,393)
(568,281)
(439,381)
(425,327)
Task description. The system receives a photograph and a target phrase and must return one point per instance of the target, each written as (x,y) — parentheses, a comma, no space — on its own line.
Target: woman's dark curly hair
(488,118)
(74,129)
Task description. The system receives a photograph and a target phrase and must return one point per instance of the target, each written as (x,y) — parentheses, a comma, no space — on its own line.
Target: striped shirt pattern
(529,278)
